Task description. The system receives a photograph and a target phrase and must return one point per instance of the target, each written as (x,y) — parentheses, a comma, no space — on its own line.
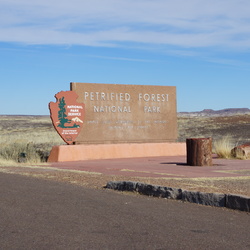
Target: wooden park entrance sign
(117,115)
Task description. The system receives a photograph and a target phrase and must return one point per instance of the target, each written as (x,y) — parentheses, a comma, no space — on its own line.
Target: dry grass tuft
(223,147)
(5,162)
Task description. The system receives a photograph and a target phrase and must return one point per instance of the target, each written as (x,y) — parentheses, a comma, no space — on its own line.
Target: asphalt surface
(42,214)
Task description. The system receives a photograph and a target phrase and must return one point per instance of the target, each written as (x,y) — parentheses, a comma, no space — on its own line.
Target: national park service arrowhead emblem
(67,115)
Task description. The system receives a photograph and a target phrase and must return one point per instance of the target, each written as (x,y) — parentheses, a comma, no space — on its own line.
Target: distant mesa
(229,110)
(207,110)
(222,112)
(77,119)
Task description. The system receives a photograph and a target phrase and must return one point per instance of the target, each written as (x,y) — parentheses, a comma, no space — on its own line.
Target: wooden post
(199,151)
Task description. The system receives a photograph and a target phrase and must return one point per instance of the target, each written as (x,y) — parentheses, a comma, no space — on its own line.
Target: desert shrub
(223,147)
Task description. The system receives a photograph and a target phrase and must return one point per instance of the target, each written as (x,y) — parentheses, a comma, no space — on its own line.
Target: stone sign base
(82,152)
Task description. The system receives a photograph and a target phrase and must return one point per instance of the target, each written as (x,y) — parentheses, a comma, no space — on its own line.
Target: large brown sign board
(116,113)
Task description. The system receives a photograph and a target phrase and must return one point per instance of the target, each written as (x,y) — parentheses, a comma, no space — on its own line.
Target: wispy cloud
(123,59)
(184,24)
(229,62)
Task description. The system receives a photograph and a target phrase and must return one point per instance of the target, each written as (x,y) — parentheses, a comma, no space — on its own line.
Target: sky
(202,47)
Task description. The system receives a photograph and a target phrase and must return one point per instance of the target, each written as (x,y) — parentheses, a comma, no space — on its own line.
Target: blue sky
(201,47)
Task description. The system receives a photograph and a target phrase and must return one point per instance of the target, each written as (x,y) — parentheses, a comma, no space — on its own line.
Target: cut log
(199,151)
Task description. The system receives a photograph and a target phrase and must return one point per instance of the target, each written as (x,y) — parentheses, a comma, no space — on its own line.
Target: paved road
(40,214)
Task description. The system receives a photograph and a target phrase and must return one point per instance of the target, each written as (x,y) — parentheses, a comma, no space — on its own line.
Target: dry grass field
(236,127)
(34,135)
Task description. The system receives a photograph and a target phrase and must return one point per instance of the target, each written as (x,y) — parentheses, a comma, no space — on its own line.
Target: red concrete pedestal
(64,153)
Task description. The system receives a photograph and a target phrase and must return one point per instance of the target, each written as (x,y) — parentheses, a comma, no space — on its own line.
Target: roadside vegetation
(26,139)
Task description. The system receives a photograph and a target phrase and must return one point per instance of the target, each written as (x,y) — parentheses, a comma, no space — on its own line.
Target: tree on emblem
(62,116)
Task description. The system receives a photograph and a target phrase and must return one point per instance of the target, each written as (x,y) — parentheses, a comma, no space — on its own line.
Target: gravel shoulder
(226,185)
